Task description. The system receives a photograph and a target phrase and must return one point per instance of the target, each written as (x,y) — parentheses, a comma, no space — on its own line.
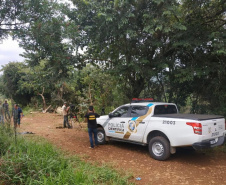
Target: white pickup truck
(161,127)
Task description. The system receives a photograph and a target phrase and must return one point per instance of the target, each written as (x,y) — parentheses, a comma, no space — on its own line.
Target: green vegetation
(106,52)
(38,162)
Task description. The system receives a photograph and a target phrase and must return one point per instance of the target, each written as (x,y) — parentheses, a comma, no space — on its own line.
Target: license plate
(213,141)
(215,134)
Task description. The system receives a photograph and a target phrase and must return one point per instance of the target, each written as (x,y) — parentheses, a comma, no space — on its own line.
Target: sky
(9,52)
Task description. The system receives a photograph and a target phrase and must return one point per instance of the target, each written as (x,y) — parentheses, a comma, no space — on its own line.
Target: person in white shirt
(65,114)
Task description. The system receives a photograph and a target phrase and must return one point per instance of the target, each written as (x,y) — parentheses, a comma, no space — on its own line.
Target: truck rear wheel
(159,148)
(101,136)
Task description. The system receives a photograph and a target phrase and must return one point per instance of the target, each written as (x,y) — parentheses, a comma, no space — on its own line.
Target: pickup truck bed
(198,117)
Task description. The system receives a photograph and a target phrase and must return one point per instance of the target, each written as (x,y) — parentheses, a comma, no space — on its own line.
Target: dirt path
(184,167)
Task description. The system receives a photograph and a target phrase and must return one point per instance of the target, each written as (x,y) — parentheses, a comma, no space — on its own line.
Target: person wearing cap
(65,114)
(17,115)
(92,125)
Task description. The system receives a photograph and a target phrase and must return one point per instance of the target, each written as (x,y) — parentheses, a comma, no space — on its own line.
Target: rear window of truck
(165,109)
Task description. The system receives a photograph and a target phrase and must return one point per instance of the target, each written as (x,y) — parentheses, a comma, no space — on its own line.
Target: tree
(95,86)
(12,75)
(44,38)
(10,10)
(202,53)
(130,37)
(41,27)
(170,50)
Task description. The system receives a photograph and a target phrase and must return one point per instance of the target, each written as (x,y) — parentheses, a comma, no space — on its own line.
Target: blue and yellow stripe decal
(137,120)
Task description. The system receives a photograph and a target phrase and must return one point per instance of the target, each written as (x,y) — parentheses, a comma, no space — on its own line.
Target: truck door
(117,124)
(136,125)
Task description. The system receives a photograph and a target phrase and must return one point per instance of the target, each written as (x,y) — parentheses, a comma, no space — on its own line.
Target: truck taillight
(197,127)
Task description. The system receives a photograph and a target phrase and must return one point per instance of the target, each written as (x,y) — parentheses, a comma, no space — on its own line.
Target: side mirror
(110,115)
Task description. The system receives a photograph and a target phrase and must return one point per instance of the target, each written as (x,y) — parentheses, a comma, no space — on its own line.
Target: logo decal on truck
(136,121)
(132,128)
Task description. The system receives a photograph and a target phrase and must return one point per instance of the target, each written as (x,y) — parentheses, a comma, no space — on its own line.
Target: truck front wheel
(101,136)
(159,148)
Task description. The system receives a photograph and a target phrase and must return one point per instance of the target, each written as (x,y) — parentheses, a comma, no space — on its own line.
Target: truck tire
(101,136)
(159,148)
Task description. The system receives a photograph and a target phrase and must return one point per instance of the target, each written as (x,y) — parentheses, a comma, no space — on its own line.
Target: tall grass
(37,162)
(6,137)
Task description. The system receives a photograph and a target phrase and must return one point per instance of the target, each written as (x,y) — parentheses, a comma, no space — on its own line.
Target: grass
(38,162)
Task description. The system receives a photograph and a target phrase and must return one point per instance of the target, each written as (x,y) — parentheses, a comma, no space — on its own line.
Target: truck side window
(139,111)
(165,109)
(121,112)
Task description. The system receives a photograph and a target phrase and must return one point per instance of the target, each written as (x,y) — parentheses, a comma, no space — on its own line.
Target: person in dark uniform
(92,125)
(17,115)
(6,108)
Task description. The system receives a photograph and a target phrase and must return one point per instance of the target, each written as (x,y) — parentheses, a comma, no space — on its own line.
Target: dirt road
(184,167)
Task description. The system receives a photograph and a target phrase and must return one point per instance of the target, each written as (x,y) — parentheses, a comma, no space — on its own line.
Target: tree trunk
(134,88)
(45,110)
(43,99)
(90,96)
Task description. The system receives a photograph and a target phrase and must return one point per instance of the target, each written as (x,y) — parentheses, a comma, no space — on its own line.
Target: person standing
(1,113)
(17,115)
(65,114)
(6,109)
(92,125)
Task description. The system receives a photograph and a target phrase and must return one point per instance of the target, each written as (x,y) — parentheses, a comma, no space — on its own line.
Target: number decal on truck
(169,122)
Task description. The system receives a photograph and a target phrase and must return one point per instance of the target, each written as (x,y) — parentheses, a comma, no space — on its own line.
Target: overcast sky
(9,52)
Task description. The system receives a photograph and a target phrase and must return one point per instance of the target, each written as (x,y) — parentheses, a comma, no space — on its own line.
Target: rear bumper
(207,143)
